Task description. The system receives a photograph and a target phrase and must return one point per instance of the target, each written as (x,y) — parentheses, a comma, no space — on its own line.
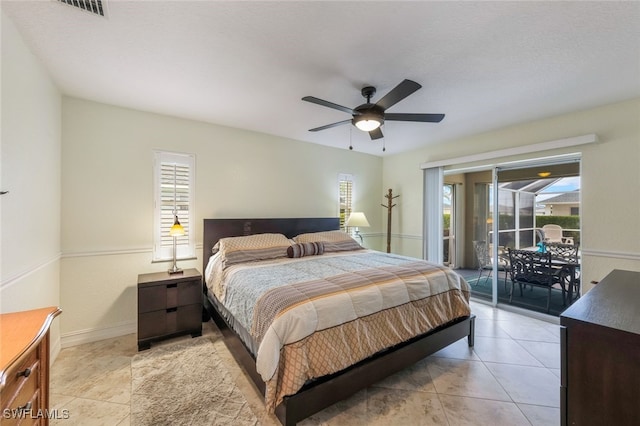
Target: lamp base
(174,268)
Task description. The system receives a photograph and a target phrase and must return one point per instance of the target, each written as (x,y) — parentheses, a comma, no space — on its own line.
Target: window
(174,182)
(345,184)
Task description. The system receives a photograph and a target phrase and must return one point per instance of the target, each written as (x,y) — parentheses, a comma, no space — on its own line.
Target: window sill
(178,259)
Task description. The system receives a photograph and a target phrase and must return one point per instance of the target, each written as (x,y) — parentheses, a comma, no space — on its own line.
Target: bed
(272,344)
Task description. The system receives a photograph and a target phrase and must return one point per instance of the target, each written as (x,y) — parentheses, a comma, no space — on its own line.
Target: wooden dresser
(168,306)
(24,366)
(600,354)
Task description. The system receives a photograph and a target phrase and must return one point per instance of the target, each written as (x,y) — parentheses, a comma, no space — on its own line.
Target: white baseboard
(94,334)
(54,351)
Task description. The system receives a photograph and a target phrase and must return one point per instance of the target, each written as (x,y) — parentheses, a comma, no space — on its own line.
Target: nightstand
(169,306)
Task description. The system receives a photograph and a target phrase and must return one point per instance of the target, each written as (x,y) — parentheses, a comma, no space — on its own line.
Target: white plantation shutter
(345,185)
(174,178)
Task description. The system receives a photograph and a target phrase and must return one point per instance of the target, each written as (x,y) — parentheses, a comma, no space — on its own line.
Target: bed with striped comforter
(314,316)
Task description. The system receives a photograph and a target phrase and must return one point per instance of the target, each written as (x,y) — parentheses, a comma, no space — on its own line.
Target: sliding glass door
(448,224)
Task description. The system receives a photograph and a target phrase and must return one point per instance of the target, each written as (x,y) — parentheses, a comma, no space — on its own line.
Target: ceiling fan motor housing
(366,112)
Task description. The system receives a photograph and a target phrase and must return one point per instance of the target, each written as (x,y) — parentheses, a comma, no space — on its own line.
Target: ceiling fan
(369,117)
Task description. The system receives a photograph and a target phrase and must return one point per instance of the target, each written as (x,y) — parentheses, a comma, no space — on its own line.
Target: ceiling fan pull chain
(350,133)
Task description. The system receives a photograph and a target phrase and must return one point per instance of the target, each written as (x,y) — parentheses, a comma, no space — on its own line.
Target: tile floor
(510,377)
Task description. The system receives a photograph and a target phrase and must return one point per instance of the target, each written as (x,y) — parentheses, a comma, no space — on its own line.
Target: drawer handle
(172,310)
(25,373)
(25,407)
(174,285)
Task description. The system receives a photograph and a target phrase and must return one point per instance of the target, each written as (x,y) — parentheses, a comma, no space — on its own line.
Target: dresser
(24,366)
(169,305)
(600,354)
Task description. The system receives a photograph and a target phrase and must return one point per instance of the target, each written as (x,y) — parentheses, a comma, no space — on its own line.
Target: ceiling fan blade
(425,118)
(328,126)
(322,102)
(398,93)
(376,134)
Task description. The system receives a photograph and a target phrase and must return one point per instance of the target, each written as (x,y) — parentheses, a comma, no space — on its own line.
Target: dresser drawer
(169,321)
(22,382)
(29,416)
(160,297)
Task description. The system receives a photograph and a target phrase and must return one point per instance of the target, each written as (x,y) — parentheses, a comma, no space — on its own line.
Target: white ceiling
(245,64)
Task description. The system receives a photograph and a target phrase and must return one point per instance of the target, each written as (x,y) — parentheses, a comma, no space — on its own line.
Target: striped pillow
(333,240)
(305,249)
(234,250)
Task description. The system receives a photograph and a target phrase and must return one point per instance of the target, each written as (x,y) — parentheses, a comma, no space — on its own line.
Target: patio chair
(563,251)
(553,234)
(535,269)
(485,263)
(568,253)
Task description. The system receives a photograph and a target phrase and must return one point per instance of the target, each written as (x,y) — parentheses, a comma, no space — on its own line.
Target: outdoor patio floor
(534,299)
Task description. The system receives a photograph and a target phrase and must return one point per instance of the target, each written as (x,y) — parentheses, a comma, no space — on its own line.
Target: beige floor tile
(529,330)
(397,407)
(104,377)
(529,385)
(255,399)
(490,349)
(413,378)
(126,421)
(541,416)
(547,353)
(58,401)
(352,411)
(465,378)
(489,328)
(458,350)
(554,329)
(485,311)
(123,345)
(88,412)
(463,411)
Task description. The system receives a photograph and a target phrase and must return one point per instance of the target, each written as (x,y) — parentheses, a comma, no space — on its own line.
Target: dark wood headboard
(214,229)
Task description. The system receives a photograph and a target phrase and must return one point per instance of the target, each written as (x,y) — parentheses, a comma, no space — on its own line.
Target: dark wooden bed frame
(326,391)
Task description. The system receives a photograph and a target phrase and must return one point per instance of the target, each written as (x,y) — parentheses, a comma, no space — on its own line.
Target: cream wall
(30,171)
(107,209)
(610,177)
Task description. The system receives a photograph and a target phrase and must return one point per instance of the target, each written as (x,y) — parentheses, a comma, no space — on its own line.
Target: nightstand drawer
(163,296)
(169,321)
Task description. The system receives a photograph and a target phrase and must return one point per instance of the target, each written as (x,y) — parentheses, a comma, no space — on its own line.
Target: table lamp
(356,220)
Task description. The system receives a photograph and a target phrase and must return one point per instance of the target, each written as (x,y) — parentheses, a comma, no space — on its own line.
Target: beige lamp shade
(357,219)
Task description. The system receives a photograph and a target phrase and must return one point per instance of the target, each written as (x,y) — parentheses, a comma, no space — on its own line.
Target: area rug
(185,384)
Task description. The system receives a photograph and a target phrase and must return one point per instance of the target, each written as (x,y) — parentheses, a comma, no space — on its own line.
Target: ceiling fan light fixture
(367,122)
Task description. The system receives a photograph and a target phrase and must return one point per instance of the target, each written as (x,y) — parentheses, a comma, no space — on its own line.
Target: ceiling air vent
(92,6)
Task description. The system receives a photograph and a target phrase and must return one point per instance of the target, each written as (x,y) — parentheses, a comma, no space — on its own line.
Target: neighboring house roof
(572,197)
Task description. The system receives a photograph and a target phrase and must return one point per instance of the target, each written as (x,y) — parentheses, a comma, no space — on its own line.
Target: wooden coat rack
(389,206)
